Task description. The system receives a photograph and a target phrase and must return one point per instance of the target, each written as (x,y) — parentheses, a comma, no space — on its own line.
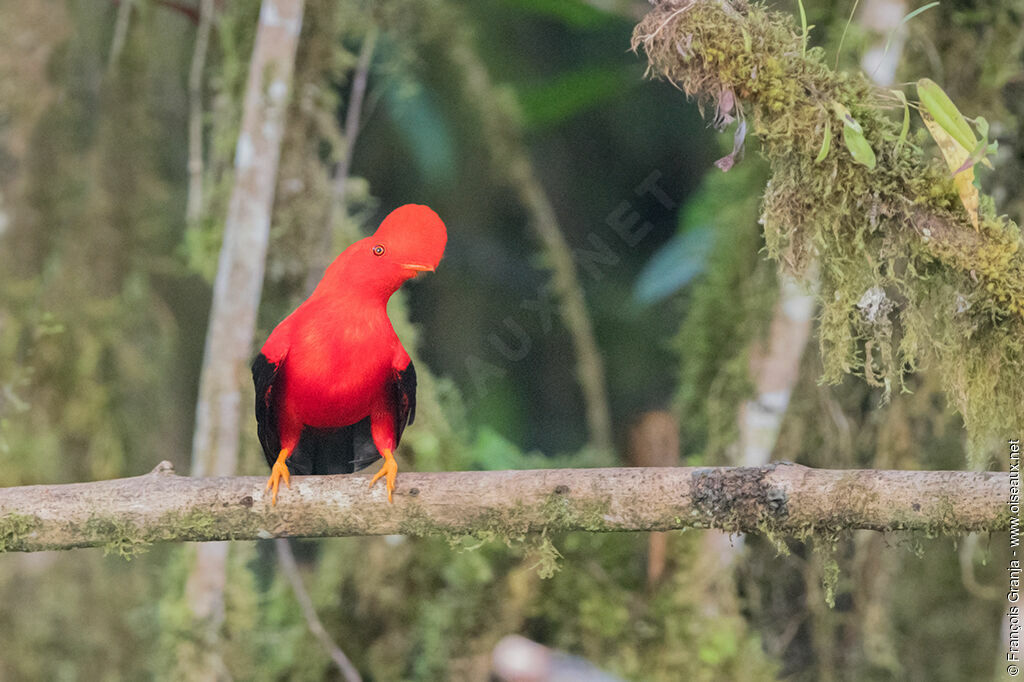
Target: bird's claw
(388,470)
(278,472)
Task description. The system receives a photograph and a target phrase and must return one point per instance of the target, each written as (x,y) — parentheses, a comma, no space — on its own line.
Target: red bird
(334,387)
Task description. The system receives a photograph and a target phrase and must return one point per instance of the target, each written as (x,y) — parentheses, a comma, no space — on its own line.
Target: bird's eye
(378,250)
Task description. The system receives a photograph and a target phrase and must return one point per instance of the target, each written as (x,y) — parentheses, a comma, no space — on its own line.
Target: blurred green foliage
(105,294)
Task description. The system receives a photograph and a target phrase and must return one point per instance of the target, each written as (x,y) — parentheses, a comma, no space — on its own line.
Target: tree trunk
(236,294)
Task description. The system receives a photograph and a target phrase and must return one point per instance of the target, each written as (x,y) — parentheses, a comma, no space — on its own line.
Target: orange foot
(388,470)
(277,472)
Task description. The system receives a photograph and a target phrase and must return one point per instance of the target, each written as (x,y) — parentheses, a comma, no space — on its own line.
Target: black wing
(264,376)
(403,395)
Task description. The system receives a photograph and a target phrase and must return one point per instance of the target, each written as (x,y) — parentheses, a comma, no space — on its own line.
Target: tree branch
(290,568)
(194,202)
(125,514)
(124,17)
(337,205)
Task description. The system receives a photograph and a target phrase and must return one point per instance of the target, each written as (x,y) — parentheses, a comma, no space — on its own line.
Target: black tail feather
(333,451)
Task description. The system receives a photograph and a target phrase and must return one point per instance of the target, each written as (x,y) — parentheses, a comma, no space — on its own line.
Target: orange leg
(277,472)
(388,470)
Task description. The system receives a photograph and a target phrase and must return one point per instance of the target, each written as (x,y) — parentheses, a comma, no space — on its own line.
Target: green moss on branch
(907,282)
(511,506)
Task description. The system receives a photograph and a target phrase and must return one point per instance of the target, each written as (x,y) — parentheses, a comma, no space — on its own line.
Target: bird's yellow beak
(417,267)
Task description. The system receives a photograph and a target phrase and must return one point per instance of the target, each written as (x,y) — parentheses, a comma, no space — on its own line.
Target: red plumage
(334,386)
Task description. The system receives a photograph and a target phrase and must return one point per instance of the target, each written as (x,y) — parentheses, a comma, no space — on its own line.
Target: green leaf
(859,147)
(990,149)
(803,26)
(842,39)
(905,19)
(917,11)
(942,110)
(982,125)
(853,137)
(958,161)
(906,120)
(847,119)
(826,142)
(674,265)
(976,155)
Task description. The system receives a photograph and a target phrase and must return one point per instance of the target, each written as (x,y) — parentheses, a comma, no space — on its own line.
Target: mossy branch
(907,280)
(125,515)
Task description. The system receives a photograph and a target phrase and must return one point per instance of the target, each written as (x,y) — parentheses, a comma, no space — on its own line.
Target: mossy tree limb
(907,280)
(783,499)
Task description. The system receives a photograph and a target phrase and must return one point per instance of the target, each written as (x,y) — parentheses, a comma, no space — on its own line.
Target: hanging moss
(906,281)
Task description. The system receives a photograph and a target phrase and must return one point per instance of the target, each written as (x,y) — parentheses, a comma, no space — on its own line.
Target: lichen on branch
(125,515)
(906,280)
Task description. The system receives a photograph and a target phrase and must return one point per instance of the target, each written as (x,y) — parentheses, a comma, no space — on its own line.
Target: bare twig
(783,499)
(194,204)
(353,114)
(124,16)
(291,571)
